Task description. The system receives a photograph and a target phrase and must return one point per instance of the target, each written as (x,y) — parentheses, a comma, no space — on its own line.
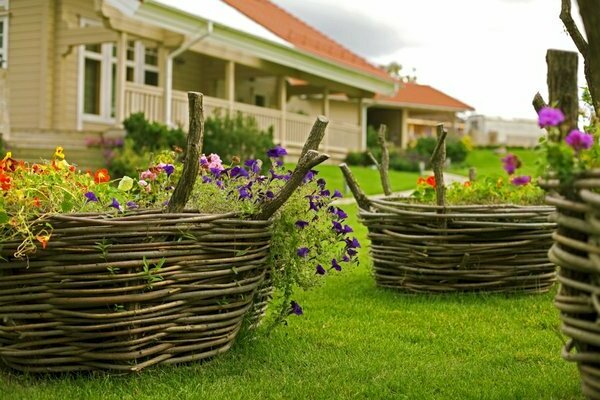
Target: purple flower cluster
(510,163)
(579,140)
(549,116)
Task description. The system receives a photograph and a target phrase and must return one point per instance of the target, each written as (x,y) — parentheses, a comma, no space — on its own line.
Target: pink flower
(213,161)
(148,175)
(510,163)
(549,116)
(579,140)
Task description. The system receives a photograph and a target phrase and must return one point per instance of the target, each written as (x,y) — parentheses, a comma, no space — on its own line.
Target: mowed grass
(368,179)
(356,341)
(488,162)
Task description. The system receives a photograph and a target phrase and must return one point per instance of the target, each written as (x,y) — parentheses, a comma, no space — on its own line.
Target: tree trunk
(590,15)
(562,84)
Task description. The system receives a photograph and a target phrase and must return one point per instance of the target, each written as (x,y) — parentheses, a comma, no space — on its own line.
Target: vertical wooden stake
(562,85)
(384,167)
(437,162)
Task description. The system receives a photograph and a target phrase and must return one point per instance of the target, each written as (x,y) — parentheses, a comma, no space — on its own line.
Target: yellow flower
(8,155)
(59,153)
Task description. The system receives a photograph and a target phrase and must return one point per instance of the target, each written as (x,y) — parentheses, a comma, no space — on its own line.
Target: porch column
(282,101)
(121,73)
(362,121)
(325,107)
(230,83)
(167,81)
(404,129)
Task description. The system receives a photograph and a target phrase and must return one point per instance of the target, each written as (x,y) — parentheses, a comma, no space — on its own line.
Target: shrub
(406,161)
(358,158)
(455,149)
(236,136)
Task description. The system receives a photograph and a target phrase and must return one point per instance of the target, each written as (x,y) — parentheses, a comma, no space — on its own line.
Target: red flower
(430,181)
(101,176)
(36,202)
(467,184)
(43,239)
(5,181)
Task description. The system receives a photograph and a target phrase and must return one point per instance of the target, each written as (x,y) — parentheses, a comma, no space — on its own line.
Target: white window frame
(106,62)
(139,64)
(4,50)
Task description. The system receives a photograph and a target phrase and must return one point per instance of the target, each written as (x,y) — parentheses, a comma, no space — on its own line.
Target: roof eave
(419,106)
(182,22)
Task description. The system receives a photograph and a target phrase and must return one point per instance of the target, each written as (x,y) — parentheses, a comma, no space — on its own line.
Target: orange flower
(72,168)
(36,202)
(43,239)
(421,181)
(8,163)
(101,176)
(430,181)
(467,184)
(5,181)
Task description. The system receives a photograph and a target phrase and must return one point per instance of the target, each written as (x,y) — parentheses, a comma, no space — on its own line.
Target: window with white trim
(142,63)
(99,70)
(4,41)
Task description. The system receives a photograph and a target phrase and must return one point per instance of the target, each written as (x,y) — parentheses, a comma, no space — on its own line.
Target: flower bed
(461,239)
(121,277)
(499,248)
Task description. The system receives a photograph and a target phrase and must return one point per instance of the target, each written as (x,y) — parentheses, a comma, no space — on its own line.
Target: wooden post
(562,85)
(191,165)
(404,129)
(384,166)
(361,199)
(437,163)
(472,174)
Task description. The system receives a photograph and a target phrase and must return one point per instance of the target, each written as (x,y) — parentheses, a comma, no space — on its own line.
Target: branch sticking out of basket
(309,158)
(384,166)
(184,187)
(437,163)
(361,199)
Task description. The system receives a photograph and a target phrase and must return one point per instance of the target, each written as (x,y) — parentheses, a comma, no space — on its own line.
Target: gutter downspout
(168,89)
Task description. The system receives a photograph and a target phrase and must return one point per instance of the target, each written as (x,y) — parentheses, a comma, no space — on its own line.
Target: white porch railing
(339,139)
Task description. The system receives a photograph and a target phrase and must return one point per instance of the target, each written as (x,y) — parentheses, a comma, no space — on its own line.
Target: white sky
(487,53)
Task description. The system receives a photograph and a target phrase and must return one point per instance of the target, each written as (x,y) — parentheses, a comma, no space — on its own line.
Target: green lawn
(368,179)
(488,163)
(356,341)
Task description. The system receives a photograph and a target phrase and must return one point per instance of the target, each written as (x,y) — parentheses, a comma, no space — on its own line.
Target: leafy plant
(152,271)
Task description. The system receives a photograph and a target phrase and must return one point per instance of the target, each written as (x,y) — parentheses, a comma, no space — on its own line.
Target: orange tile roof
(413,93)
(301,35)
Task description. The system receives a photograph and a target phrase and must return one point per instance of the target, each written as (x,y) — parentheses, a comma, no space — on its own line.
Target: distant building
(487,131)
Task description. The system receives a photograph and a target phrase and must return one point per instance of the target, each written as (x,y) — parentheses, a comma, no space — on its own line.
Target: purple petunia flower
(169,169)
(302,252)
(521,180)
(206,179)
(352,252)
(276,152)
(352,243)
(220,184)
(337,227)
(345,258)
(132,204)
(115,204)
(216,172)
(244,193)
(347,229)
(341,214)
(238,171)
(579,140)
(169,188)
(269,194)
(320,270)
(336,194)
(90,196)
(549,116)
(321,183)
(295,308)
(301,224)
(510,163)
(253,165)
(310,175)
(335,265)
(325,193)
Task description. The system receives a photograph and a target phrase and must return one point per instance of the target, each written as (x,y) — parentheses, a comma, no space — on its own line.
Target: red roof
(301,35)
(413,93)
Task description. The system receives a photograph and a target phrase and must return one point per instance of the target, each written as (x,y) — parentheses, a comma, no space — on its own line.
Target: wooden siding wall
(25,69)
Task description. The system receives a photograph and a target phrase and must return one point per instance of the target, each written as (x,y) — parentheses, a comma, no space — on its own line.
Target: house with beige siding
(73,70)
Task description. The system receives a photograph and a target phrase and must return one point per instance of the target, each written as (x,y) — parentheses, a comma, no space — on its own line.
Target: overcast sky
(488,53)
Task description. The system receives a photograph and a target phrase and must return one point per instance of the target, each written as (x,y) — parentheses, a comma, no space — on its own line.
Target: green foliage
(406,160)
(358,158)
(236,136)
(142,140)
(456,150)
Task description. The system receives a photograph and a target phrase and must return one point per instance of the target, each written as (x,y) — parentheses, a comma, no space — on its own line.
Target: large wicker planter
(89,302)
(577,254)
(500,248)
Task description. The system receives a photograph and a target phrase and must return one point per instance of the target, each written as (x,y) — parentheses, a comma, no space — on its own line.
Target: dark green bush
(142,139)
(358,158)
(237,135)
(406,161)
(456,150)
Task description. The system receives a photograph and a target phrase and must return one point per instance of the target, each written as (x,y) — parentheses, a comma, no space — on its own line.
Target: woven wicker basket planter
(577,254)
(499,248)
(73,307)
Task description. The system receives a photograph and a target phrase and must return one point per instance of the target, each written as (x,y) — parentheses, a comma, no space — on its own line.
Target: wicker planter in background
(500,248)
(576,252)
(86,302)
